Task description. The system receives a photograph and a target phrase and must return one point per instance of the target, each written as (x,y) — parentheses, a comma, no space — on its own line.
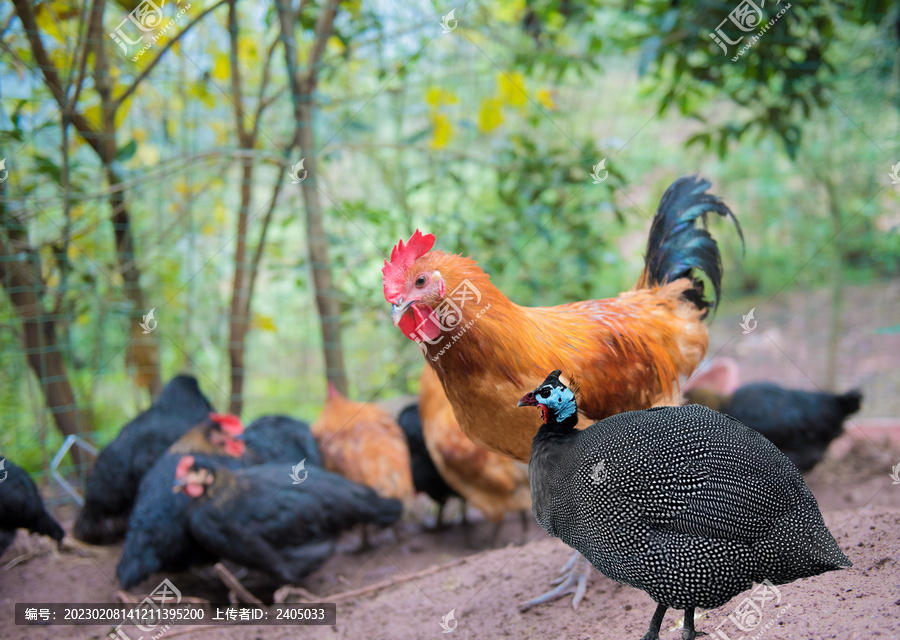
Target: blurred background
(155,216)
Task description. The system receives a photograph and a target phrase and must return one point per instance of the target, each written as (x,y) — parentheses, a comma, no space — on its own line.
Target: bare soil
(855,491)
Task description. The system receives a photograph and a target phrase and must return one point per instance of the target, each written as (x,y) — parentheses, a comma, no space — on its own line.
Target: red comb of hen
(402,257)
(183,465)
(332,390)
(230,424)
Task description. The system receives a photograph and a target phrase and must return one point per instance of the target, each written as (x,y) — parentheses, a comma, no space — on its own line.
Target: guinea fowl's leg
(689,633)
(573,580)
(656,622)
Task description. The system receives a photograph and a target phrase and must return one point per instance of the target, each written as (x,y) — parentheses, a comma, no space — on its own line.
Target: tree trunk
(239,321)
(303,97)
(326,301)
(143,349)
(20,278)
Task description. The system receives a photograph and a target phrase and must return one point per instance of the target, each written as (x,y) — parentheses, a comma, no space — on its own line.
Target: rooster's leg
(573,580)
(526,522)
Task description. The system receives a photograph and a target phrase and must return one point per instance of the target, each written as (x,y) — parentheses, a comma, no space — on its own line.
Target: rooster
(629,351)
(426,476)
(492,483)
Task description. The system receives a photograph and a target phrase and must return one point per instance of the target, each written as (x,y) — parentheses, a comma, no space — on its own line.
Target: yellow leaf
(335,45)
(511,89)
(442,131)
(139,134)
(219,212)
(221,71)
(489,115)
(147,155)
(544,97)
(248,51)
(436,97)
(266,323)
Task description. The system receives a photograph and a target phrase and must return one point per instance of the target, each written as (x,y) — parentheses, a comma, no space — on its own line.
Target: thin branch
(267,218)
(25,11)
(261,102)
(237,94)
(265,104)
(324,25)
(82,68)
(162,52)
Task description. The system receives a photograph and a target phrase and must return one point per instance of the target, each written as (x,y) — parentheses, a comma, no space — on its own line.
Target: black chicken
(426,477)
(278,438)
(114,481)
(21,506)
(159,538)
(684,503)
(800,423)
(260,518)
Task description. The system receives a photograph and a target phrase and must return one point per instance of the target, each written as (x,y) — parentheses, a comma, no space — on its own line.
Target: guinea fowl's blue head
(556,400)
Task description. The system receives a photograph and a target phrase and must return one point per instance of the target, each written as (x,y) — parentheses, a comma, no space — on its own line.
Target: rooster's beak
(528,400)
(398,310)
(178,485)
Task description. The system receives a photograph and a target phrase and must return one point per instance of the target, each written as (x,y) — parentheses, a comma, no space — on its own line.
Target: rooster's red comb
(332,390)
(183,465)
(230,424)
(402,257)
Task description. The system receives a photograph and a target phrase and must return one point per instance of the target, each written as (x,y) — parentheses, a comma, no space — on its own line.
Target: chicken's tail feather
(850,402)
(678,246)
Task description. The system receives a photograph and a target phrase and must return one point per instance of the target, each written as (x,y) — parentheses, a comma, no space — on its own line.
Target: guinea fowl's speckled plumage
(684,503)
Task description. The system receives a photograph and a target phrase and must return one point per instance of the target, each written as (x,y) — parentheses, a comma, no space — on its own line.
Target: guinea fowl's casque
(684,503)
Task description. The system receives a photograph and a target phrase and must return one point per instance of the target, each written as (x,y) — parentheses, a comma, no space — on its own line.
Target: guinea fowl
(258,518)
(800,423)
(113,482)
(685,503)
(426,477)
(21,507)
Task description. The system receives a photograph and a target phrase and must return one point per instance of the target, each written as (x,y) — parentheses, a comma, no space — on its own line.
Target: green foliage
(485,136)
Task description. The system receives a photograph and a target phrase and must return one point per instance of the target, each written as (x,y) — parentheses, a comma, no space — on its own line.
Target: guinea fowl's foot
(689,633)
(655,623)
(573,580)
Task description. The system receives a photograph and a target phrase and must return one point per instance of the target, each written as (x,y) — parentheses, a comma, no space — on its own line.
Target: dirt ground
(483,585)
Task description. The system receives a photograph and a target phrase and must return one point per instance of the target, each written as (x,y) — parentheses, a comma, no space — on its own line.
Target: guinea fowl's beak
(528,400)
(399,309)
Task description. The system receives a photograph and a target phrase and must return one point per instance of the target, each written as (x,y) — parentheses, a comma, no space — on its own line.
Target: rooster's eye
(544,393)
(420,281)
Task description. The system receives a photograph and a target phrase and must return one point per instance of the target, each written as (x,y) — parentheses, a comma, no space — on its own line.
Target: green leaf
(127,151)
(48,168)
